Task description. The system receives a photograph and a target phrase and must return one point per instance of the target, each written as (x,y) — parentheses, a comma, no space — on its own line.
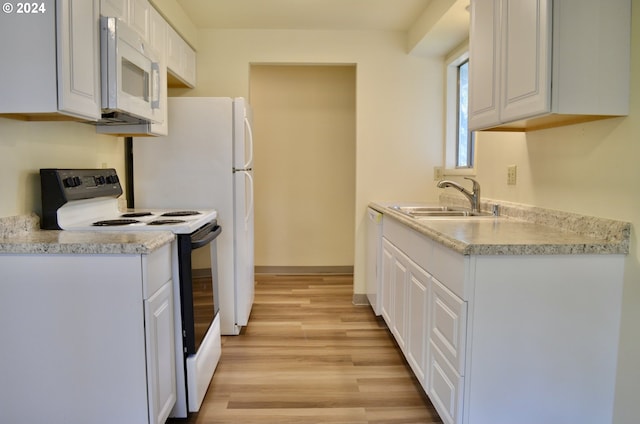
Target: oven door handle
(205,235)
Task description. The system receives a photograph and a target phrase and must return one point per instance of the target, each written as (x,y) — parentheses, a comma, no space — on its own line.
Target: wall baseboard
(347,269)
(360,299)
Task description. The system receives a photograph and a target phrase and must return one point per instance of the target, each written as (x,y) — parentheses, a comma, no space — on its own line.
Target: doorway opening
(304,167)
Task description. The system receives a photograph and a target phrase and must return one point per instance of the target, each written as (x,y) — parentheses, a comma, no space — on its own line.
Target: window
(459,142)
(464,145)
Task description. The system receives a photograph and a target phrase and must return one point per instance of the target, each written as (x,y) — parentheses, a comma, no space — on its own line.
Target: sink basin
(436,211)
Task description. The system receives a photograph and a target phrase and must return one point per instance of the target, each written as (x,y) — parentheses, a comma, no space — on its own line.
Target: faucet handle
(476,185)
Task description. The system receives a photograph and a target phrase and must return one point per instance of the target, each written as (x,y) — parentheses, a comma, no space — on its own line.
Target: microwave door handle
(155,85)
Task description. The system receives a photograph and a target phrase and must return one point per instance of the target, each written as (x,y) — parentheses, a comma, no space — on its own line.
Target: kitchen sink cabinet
(418,293)
(406,288)
(386,287)
(50,67)
(538,63)
(399,282)
(504,338)
(92,338)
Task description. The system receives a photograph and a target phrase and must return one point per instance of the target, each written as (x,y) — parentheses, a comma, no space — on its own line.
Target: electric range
(87,200)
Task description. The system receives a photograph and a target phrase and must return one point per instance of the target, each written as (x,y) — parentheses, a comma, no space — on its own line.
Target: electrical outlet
(512,174)
(438,173)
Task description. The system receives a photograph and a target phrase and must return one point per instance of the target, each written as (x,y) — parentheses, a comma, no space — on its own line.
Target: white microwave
(129,76)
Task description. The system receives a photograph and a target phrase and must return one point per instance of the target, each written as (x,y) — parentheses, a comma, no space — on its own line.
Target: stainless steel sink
(436,211)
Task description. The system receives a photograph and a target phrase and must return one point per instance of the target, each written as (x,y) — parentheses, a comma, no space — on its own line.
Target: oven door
(198,274)
(198,284)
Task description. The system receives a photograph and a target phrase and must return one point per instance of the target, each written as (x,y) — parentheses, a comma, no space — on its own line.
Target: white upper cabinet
(181,61)
(158,41)
(50,63)
(526,60)
(139,11)
(115,8)
(537,63)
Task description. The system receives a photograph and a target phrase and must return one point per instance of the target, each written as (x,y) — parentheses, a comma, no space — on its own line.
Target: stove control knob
(112,179)
(100,180)
(72,182)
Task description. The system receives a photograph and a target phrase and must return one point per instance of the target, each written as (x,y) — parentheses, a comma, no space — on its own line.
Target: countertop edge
(613,239)
(22,235)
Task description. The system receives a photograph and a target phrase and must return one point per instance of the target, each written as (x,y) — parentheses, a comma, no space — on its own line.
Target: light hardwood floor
(309,355)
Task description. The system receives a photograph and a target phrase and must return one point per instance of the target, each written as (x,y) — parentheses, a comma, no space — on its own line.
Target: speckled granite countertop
(22,235)
(519,230)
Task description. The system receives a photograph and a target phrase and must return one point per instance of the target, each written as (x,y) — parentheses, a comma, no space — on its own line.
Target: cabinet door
(444,387)
(139,17)
(400,283)
(189,65)
(526,59)
(386,292)
(79,58)
(115,8)
(158,41)
(484,64)
(448,324)
(181,59)
(160,344)
(417,332)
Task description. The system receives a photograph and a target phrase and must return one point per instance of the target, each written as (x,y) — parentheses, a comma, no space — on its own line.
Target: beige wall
(398,103)
(25,147)
(304,160)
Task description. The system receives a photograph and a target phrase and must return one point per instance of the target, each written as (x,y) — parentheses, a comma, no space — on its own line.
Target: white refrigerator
(206,163)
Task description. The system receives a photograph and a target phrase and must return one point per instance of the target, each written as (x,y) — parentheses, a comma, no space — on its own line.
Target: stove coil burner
(166,222)
(135,214)
(115,222)
(181,213)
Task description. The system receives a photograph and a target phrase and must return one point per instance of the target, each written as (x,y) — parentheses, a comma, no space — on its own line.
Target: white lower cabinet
(387,282)
(444,386)
(160,341)
(417,308)
(92,338)
(504,339)
(400,274)
(446,351)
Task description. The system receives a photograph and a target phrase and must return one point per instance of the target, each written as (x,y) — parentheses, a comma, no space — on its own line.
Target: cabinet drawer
(445,386)
(442,262)
(448,320)
(415,245)
(156,269)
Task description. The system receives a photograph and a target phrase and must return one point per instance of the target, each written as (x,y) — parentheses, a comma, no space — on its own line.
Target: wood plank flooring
(309,355)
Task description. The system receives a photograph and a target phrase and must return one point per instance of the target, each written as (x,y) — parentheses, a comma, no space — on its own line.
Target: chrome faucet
(473,196)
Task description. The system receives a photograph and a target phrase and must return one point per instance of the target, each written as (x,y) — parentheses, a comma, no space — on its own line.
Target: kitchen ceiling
(396,15)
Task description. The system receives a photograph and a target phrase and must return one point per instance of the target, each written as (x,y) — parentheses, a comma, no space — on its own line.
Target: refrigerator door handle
(249,212)
(247,125)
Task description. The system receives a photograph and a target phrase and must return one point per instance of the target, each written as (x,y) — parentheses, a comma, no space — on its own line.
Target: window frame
(452,61)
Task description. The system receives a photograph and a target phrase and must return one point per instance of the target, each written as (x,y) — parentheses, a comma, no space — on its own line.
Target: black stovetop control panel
(60,186)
